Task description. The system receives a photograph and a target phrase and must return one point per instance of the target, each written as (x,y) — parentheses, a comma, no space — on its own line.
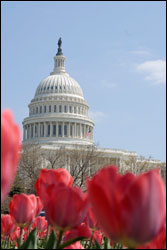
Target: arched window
(65,109)
(60,109)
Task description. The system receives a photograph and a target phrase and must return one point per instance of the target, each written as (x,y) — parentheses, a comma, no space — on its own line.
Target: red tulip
(159,242)
(98,237)
(51,176)
(76,245)
(80,231)
(90,219)
(40,223)
(15,235)
(130,209)
(39,205)
(10,146)
(23,208)
(7,225)
(65,206)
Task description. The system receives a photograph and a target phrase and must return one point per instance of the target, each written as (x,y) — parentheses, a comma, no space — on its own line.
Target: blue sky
(115,50)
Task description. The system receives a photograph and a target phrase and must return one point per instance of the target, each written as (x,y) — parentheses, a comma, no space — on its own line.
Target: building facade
(58,117)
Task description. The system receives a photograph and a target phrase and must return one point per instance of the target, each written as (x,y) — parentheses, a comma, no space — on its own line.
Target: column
(26,132)
(72,130)
(80,130)
(23,133)
(68,130)
(33,130)
(30,131)
(75,130)
(62,129)
(38,129)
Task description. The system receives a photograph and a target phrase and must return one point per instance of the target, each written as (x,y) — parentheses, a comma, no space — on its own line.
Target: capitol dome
(58,113)
(59,84)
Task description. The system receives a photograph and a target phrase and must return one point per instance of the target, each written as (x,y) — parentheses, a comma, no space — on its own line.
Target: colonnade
(57,129)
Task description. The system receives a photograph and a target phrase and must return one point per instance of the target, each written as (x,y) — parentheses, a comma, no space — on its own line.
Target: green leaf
(51,244)
(71,241)
(106,243)
(97,245)
(31,242)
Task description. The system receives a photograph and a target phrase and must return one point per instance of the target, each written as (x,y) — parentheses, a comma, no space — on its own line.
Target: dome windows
(65,109)
(60,130)
(70,109)
(48,130)
(73,109)
(54,130)
(65,130)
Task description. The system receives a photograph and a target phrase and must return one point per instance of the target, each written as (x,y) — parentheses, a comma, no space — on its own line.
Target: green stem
(8,243)
(21,238)
(47,233)
(105,243)
(91,239)
(59,239)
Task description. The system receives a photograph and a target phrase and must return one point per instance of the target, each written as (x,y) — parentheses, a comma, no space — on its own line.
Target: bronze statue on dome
(59,42)
(59,51)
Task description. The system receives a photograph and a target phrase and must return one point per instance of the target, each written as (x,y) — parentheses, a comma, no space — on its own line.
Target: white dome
(58,84)
(58,114)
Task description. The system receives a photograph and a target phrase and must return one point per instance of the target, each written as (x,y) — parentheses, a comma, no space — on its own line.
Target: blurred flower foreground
(114,211)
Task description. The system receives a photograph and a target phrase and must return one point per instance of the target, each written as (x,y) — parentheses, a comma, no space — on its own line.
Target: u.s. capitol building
(58,116)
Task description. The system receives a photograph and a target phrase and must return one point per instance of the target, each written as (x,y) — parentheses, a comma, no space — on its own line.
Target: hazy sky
(115,50)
